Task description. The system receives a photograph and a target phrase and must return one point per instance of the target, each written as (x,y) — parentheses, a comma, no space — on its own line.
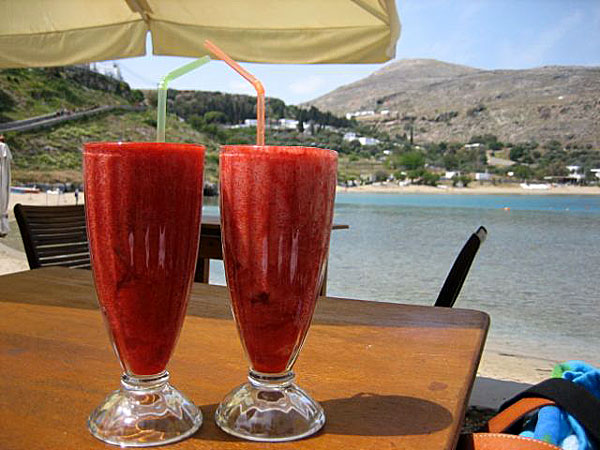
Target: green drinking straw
(161,108)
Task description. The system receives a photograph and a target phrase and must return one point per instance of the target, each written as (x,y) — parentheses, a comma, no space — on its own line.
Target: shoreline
(387,188)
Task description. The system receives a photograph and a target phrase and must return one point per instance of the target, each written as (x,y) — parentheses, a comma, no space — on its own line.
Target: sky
(487,34)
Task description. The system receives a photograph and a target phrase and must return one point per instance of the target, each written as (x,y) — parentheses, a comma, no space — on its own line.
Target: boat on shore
(535,186)
(24,190)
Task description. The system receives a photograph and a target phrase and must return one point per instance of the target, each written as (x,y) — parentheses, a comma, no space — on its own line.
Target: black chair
(54,235)
(458,273)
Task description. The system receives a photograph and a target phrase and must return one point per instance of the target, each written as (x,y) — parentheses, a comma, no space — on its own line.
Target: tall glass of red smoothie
(276,218)
(143,204)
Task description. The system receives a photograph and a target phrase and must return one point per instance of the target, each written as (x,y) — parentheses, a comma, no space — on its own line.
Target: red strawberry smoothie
(143,205)
(276,214)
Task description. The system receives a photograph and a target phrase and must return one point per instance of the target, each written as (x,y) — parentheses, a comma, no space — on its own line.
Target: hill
(222,108)
(32,92)
(54,154)
(439,101)
(59,96)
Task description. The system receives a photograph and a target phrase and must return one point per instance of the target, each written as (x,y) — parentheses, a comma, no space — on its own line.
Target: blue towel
(555,426)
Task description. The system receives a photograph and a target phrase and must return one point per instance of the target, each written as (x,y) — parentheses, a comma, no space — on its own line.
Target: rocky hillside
(449,102)
(26,93)
(53,154)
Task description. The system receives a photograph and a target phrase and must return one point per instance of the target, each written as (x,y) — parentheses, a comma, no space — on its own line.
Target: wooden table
(388,375)
(210,248)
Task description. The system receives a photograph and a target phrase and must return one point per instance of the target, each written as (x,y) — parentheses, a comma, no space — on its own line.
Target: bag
(573,399)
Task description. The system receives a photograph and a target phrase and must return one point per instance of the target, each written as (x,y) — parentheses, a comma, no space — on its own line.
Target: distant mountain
(450,102)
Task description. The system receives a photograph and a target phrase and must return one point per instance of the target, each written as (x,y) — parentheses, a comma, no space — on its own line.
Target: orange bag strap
(504,419)
(492,437)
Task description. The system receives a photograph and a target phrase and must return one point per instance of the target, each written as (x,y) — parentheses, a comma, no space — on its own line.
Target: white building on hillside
(110,69)
(368,140)
(288,124)
(350,115)
(364,140)
(575,173)
(451,174)
(350,136)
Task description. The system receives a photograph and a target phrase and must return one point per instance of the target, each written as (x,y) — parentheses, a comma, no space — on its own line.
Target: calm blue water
(537,274)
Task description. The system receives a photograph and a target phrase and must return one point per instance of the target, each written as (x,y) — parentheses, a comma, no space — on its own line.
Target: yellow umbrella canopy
(46,33)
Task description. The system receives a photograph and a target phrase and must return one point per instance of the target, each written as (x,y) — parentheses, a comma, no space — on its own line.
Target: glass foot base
(269,409)
(143,413)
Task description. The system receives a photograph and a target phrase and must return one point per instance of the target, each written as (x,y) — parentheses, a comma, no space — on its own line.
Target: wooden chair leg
(202,270)
(324,284)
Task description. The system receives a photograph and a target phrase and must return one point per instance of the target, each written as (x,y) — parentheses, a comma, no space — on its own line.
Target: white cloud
(307,85)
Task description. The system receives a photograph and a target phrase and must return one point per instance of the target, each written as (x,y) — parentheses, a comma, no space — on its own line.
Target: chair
(54,235)
(458,273)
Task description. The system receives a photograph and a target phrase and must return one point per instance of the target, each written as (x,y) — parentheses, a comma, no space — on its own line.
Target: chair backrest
(458,273)
(54,235)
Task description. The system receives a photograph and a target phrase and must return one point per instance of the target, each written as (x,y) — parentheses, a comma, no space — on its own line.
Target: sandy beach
(472,189)
(500,374)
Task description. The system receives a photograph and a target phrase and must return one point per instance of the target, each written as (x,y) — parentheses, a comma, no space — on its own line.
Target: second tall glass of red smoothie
(143,203)
(276,218)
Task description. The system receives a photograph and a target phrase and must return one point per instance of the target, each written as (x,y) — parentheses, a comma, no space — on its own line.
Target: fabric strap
(574,399)
(502,421)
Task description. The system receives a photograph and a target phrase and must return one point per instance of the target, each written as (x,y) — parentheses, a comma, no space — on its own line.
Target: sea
(537,274)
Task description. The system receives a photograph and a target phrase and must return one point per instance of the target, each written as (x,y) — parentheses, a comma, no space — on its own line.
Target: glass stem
(134,383)
(271,381)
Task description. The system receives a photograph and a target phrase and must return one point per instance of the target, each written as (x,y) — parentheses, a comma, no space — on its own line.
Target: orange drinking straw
(260,90)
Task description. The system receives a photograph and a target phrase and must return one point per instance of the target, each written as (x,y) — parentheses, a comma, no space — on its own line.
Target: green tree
(381,175)
(355,146)
(416,175)
(215,117)
(450,161)
(553,145)
(591,177)
(301,117)
(556,169)
(412,160)
(136,96)
(464,180)
(516,153)
(430,178)
(196,122)
(483,158)
(522,172)
(400,175)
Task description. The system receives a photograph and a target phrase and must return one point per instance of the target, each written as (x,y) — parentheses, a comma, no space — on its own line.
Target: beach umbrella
(43,33)
(5,158)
